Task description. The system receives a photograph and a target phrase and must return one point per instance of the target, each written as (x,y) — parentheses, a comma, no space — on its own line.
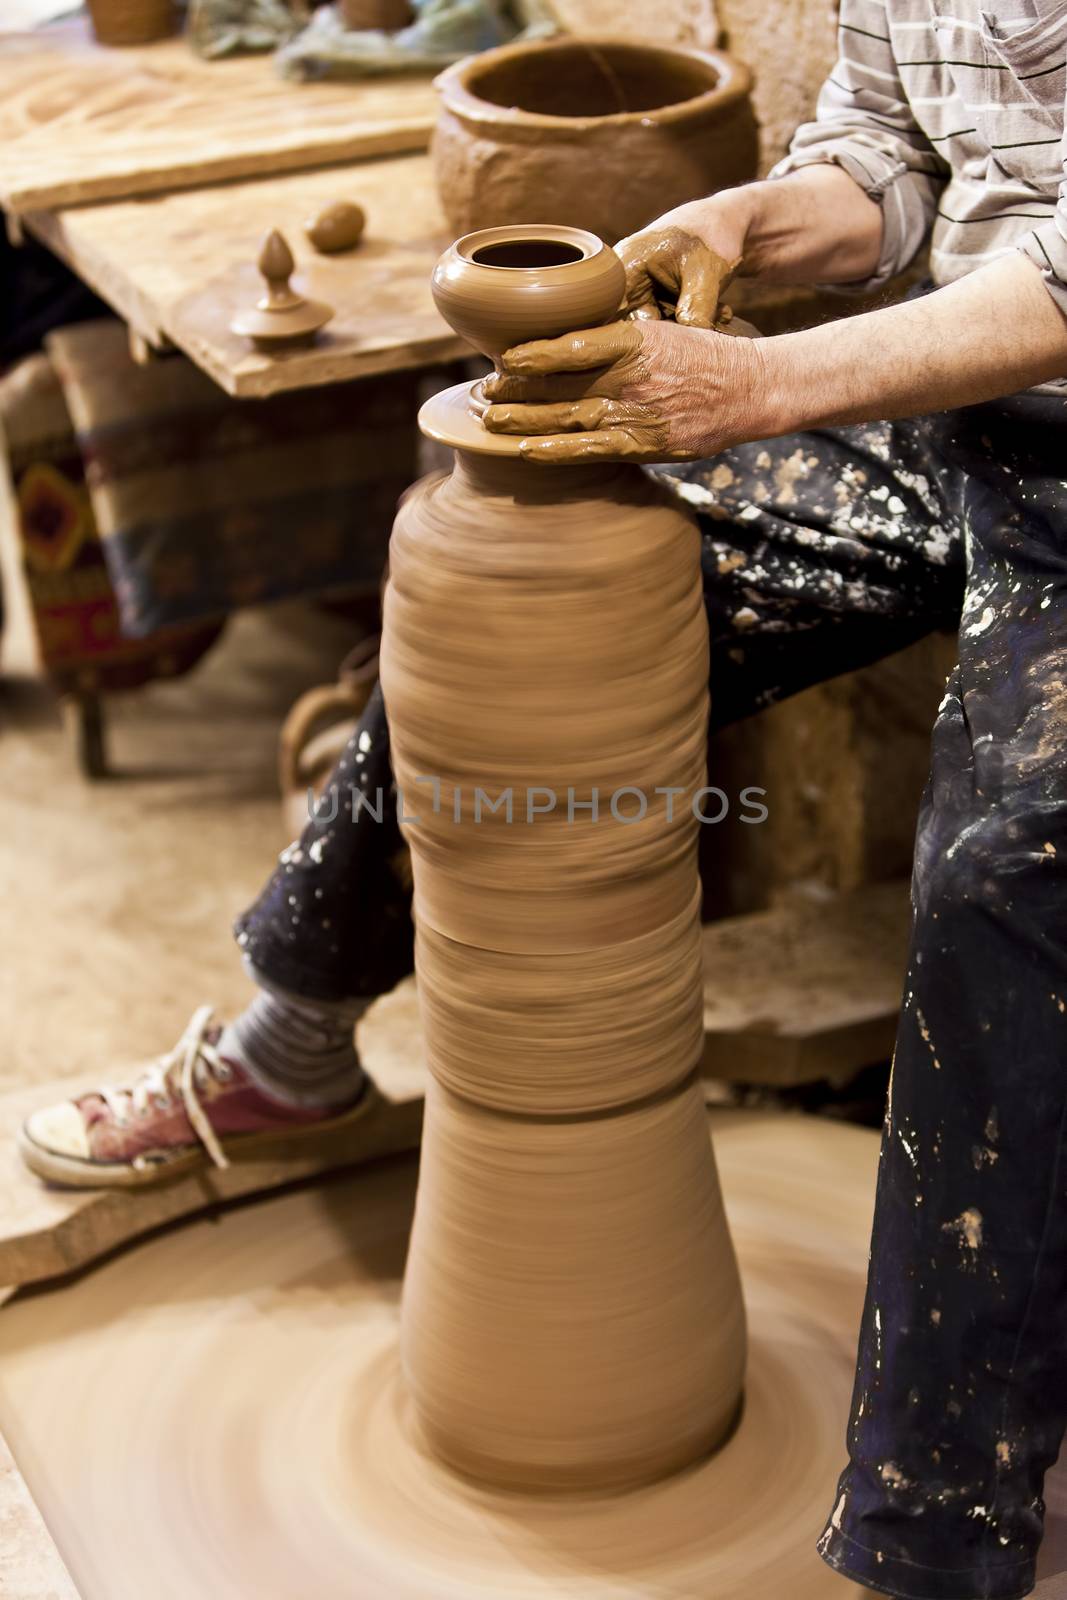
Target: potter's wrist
(735,404)
(734,216)
(778,396)
(722,221)
(814,378)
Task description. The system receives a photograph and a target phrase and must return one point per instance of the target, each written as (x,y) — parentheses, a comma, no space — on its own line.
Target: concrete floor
(116,897)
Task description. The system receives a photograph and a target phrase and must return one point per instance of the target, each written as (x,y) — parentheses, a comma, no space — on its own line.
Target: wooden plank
(223,1412)
(82,123)
(806,991)
(176,267)
(46,1231)
(790,995)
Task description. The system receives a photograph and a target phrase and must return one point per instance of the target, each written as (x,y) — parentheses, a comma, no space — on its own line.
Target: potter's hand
(672,272)
(633,391)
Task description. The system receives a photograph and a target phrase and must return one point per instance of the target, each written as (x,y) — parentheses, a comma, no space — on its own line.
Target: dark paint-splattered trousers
(821,553)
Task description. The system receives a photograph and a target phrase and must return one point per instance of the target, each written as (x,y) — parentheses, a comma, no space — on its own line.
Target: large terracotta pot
(597,134)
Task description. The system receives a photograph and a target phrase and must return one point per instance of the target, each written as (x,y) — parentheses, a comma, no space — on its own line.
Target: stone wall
(790,46)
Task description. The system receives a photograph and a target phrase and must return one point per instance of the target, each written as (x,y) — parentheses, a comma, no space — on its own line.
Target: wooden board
(82,123)
(176,267)
(48,1231)
(219,1411)
(789,996)
(806,991)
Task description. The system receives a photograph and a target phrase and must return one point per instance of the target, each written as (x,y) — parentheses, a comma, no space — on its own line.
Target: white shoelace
(189,1068)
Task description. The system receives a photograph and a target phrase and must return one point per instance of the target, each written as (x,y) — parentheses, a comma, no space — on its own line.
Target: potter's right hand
(675,270)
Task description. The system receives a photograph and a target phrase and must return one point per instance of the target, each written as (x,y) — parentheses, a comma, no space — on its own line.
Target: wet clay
(388,15)
(338,226)
(614,133)
(572,1313)
(500,286)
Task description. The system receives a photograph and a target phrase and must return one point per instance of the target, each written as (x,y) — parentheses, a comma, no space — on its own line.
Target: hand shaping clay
(572,1314)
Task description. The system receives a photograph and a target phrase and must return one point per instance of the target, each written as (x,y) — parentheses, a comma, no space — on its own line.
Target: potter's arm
(850,205)
(996,332)
(864,126)
(654,391)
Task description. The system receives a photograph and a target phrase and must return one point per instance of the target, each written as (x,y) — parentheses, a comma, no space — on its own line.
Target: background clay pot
(132,21)
(598,134)
(389,15)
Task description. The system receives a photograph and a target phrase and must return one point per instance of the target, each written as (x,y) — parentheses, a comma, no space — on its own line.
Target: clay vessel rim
(590,245)
(733,83)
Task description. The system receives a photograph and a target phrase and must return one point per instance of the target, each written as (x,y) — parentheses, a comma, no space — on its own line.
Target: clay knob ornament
(572,1315)
(499,287)
(336,227)
(281,318)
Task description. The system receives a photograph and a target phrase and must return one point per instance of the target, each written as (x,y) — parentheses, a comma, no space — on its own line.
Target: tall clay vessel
(572,1314)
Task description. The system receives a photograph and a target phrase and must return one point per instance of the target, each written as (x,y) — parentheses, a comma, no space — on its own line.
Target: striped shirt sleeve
(1047,244)
(863,123)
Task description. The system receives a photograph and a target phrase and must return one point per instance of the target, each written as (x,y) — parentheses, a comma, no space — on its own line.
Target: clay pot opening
(574,79)
(526,253)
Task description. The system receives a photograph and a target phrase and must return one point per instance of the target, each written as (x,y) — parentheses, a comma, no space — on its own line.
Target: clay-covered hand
(633,391)
(671,272)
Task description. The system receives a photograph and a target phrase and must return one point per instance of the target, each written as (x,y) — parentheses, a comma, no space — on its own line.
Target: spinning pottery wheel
(220,1411)
(553,1406)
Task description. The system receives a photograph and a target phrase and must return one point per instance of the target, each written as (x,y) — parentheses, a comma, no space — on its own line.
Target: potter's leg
(334,921)
(822,553)
(961,1391)
(331,930)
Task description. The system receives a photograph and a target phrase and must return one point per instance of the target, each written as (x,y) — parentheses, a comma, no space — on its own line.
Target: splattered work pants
(821,553)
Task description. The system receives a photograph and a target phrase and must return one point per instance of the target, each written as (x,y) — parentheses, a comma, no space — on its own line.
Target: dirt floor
(116,897)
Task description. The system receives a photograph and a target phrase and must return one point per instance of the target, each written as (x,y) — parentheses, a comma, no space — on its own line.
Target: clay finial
(276,264)
(281,316)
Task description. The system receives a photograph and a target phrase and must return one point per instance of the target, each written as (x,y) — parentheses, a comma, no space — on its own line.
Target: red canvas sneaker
(191,1108)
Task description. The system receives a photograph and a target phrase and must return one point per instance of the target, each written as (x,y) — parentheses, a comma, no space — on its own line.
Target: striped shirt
(951,115)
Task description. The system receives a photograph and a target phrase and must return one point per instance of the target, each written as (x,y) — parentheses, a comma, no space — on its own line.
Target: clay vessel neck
(511,477)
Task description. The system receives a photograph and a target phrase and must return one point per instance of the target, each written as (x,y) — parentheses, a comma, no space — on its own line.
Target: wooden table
(81,123)
(177,266)
(115,159)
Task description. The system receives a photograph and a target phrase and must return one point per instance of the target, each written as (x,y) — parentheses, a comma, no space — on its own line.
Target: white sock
(297,1050)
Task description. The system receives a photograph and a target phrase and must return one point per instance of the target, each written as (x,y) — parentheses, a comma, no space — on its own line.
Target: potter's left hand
(633,391)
